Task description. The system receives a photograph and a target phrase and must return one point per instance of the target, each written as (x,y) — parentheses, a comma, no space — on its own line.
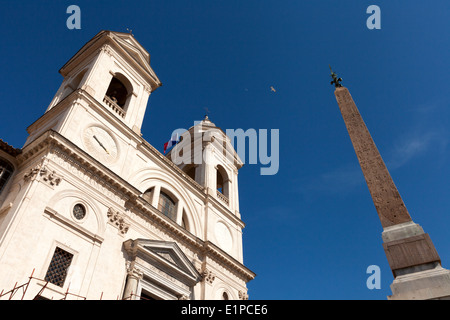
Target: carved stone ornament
(148,89)
(208,276)
(133,271)
(49,177)
(243,295)
(107,49)
(118,220)
(31,174)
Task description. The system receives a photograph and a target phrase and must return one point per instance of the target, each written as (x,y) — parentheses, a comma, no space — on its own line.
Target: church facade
(91,210)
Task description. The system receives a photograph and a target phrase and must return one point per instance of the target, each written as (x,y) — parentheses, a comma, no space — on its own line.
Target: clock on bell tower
(100,144)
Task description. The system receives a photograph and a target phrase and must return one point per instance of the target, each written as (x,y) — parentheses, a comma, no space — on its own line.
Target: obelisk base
(433,284)
(415,264)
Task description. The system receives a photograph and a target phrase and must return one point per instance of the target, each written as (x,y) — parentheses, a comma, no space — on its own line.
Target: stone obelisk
(413,259)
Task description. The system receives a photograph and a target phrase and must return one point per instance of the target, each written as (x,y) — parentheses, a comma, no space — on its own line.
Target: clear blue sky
(311,229)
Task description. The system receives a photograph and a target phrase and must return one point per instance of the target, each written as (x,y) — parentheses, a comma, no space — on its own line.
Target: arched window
(148,195)
(222,181)
(6,170)
(225,296)
(118,95)
(167,206)
(117,92)
(219,182)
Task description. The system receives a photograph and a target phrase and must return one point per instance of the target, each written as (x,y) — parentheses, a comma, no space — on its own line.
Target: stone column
(133,277)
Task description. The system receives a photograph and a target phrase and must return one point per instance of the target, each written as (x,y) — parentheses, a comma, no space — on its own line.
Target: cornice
(225,210)
(59,144)
(54,111)
(142,145)
(54,141)
(4,146)
(218,254)
(140,206)
(201,191)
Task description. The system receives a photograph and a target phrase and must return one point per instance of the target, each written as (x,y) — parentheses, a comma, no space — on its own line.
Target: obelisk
(411,255)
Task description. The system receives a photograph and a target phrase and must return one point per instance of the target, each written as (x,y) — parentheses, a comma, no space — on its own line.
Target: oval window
(79,211)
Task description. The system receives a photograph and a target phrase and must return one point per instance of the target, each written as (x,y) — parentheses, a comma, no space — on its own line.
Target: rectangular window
(57,271)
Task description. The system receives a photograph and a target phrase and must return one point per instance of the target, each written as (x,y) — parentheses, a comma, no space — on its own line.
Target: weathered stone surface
(386,198)
(410,252)
(413,259)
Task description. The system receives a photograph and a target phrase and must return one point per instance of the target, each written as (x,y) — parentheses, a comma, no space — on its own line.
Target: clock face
(100,144)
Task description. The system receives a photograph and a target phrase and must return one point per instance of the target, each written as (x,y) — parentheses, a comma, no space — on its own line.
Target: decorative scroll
(208,275)
(48,176)
(243,295)
(118,220)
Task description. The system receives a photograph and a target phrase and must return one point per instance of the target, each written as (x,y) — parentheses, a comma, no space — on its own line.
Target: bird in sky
(272,89)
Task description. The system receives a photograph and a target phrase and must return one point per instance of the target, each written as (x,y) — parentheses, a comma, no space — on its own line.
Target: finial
(130,31)
(206,113)
(336,81)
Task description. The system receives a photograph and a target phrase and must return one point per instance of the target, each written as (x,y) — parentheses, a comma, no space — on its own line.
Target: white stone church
(90,210)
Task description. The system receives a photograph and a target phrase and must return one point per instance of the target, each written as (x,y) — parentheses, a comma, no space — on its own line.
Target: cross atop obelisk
(413,259)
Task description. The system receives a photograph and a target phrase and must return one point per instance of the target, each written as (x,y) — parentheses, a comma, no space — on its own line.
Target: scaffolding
(39,296)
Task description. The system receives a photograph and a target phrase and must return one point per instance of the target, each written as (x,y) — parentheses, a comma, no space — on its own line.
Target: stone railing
(222,198)
(114,106)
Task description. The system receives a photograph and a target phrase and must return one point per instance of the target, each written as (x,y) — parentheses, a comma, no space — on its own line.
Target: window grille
(57,271)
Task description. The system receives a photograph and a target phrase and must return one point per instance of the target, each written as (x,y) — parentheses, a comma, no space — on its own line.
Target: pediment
(166,256)
(168,253)
(123,41)
(129,44)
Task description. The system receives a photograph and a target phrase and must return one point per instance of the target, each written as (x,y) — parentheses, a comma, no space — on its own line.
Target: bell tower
(108,81)
(205,153)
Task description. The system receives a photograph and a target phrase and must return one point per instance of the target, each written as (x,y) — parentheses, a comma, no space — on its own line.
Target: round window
(79,211)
